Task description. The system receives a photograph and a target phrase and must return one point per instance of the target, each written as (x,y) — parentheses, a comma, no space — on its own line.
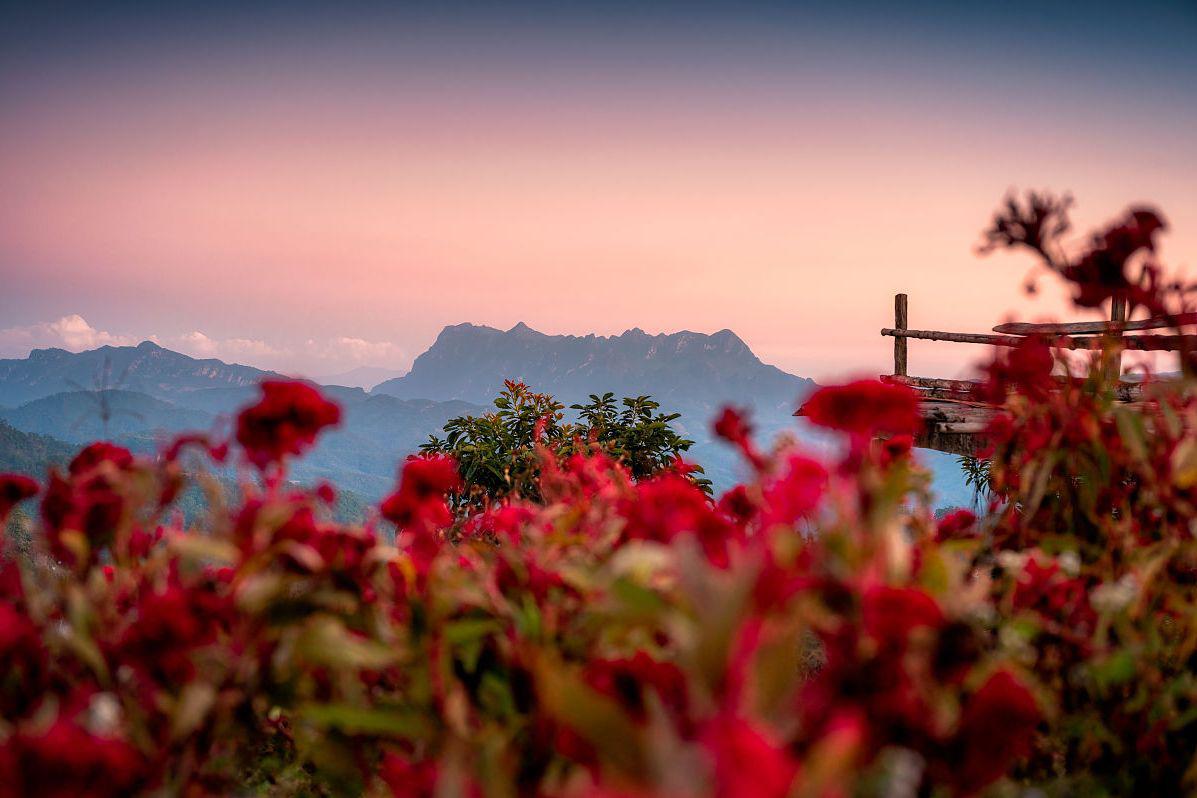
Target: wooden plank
(900,343)
(1095,327)
(961,338)
(1141,343)
(959,386)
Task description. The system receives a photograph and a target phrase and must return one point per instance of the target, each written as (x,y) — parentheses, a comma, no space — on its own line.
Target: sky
(312,187)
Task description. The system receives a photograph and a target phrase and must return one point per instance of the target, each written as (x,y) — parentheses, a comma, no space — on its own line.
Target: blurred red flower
(14,489)
(865,408)
(285,421)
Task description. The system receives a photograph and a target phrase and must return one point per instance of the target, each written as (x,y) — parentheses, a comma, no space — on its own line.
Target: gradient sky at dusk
(310,188)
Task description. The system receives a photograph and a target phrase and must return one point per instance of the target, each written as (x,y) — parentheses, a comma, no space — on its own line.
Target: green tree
(499,453)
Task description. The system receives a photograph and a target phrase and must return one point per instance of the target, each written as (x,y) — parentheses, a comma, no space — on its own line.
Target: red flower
(796,493)
(407,779)
(732,426)
(1101,272)
(66,761)
(420,499)
(670,505)
(1047,591)
(737,505)
(748,762)
(419,506)
(22,661)
(891,614)
(169,624)
(956,524)
(628,680)
(895,449)
(91,500)
(865,408)
(1026,367)
(99,453)
(14,489)
(996,729)
(285,421)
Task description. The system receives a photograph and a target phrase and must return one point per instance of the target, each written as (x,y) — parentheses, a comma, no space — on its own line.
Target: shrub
(500,453)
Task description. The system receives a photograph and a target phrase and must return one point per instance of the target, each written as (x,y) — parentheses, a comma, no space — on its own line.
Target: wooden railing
(955,421)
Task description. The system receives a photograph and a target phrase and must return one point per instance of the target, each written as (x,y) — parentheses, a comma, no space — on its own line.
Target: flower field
(815,631)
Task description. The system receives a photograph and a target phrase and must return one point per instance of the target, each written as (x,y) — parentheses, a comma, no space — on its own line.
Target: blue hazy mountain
(681,370)
(141,395)
(146,368)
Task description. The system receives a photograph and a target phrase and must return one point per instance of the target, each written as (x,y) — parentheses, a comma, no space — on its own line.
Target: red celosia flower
(1026,368)
(506,523)
(891,614)
(326,492)
(996,728)
(796,493)
(1044,589)
(954,525)
(670,505)
(418,507)
(420,499)
(170,624)
(66,761)
(14,489)
(22,661)
(865,408)
(1101,272)
(895,449)
(99,453)
(748,762)
(407,779)
(285,421)
(737,505)
(217,451)
(732,426)
(91,499)
(628,679)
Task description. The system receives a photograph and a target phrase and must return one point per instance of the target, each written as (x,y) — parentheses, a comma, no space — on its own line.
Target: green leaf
(352,719)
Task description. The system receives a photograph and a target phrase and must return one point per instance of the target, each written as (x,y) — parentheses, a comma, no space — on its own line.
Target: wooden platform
(955,422)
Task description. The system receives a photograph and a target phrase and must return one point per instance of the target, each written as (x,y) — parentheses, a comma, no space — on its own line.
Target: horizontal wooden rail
(962,386)
(1095,327)
(1141,343)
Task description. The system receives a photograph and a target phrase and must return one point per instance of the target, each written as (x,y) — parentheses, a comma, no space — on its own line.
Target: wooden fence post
(900,322)
(1117,313)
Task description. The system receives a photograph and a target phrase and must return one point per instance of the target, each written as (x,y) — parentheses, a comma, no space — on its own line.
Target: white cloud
(339,353)
(359,352)
(70,332)
(196,343)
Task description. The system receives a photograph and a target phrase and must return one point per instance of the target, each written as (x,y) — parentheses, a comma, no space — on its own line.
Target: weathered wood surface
(899,342)
(1141,343)
(954,427)
(933,383)
(1094,327)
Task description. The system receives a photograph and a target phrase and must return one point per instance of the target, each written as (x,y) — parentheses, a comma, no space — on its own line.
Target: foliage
(976,476)
(500,453)
(29,453)
(813,632)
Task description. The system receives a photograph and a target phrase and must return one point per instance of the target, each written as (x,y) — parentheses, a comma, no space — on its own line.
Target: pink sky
(314,221)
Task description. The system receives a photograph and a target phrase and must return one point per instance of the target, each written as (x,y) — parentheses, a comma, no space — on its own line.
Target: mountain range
(683,370)
(140,395)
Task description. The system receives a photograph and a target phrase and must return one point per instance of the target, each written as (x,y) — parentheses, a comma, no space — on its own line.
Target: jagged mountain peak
(683,369)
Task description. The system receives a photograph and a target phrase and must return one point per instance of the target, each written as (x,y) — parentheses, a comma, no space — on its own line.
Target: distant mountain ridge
(154,392)
(151,393)
(684,370)
(146,368)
